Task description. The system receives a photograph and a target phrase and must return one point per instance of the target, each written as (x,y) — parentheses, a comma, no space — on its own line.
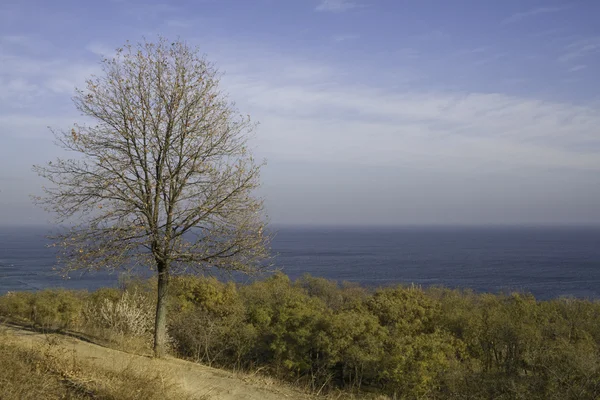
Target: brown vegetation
(401,342)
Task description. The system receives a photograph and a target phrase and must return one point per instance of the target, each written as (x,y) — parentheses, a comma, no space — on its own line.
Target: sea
(546,262)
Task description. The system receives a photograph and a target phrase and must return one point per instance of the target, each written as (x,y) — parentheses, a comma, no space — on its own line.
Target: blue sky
(371,111)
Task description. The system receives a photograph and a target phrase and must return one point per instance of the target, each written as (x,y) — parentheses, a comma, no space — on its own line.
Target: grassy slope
(57,367)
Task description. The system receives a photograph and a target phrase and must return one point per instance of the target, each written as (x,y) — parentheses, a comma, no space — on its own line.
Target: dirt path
(201,381)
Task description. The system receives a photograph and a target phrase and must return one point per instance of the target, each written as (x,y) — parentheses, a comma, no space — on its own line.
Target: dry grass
(304,390)
(50,371)
(55,366)
(141,345)
(25,376)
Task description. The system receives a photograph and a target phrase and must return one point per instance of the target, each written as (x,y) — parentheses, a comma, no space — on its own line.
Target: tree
(163,179)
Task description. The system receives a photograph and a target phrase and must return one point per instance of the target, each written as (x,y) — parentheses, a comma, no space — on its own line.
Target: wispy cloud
(310,112)
(150,12)
(514,81)
(546,33)
(49,76)
(101,49)
(336,5)
(476,50)
(408,53)
(307,114)
(532,13)
(577,68)
(18,91)
(433,35)
(33,77)
(179,23)
(490,59)
(19,40)
(581,48)
(344,37)
(33,125)
(331,122)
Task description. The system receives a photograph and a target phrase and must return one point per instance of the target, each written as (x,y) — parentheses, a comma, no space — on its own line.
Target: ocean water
(548,262)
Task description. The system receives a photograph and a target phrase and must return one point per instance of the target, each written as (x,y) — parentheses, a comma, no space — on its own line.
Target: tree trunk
(160,323)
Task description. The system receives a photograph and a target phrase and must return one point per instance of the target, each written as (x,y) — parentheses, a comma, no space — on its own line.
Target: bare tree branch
(164,179)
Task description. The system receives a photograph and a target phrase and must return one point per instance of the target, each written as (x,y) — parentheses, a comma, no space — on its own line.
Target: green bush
(351,346)
(17,305)
(287,320)
(207,321)
(46,309)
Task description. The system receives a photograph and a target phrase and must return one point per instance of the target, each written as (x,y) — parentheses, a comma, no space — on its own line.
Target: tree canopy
(163,177)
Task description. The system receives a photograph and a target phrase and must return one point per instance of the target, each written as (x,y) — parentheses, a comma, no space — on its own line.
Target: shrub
(208,321)
(130,314)
(404,311)
(351,345)
(46,309)
(404,342)
(17,305)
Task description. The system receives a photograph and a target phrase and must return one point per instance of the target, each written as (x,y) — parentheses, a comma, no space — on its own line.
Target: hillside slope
(197,381)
